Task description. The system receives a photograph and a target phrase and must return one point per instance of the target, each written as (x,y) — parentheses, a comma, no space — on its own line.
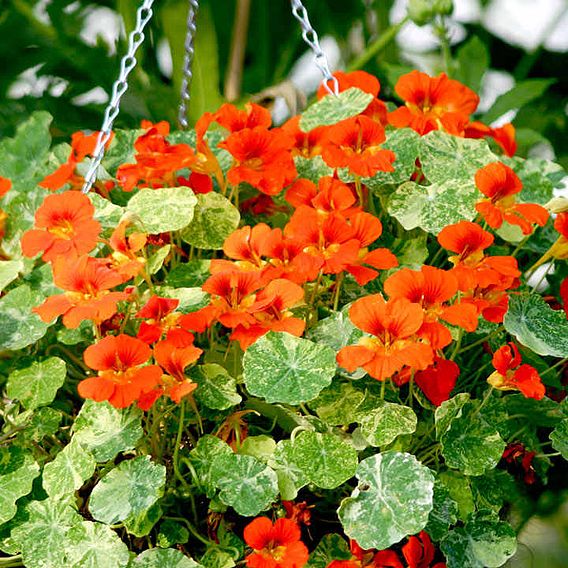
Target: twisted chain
(127,64)
(187,61)
(311,38)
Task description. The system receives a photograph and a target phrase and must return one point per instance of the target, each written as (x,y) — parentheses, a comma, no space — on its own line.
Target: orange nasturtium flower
(275,544)
(511,375)
(433,103)
(64,225)
(87,283)
(159,317)
(355,143)
(499,183)
(394,325)
(122,378)
(5,185)
(124,258)
(262,159)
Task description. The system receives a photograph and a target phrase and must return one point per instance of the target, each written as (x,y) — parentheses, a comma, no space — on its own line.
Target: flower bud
(421,12)
(443,7)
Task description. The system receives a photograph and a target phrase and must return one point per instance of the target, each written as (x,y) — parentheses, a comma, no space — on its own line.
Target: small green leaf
(190,299)
(164,209)
(283,368)
(460,491)
(72,466)
(156,261)
(215,387)
(9,270)
(337,404)
(19,327)
(291,476)
(214,219)
(162,558)
(333,109)
(39,423)
(94,545)
(331,547)
(480,543)
(216,557)
(190,274)
(469,443)
(141,524)
(106,212)
(261,447)
(18,469)
(383,424)
(245,483)
(336,331)
(171,533)
(559,438)
(43,538)
(121,150)
(435,206)
(519,96)
(201,458)
(443,514)
(326,460)
(447,411)
(105,430)
(392,500)
(130,489)
(473,62)
(536,325)
(38,384)
(447,158)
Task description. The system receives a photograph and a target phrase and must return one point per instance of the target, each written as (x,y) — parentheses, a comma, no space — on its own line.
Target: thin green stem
(178,444)
(482,340)
(191,529)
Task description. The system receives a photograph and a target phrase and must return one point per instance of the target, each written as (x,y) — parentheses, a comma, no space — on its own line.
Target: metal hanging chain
(187,61)
(311,38)
(127,64)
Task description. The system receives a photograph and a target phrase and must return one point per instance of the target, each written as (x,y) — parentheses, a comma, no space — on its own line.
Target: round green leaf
(215,387)
(261,447)
(479,544)
(381,425)
(393,500)
(443,514)
(326,460)
(171,533)
(214,219)
(333,109)
(164,209)
(105,430)
(18,469)
(19,327)
(106,212)
(448,158)
(246,484)
(43,537)
(536,325)
(337,404)
(435,206)
(470,444)
(72,466)
(202,457)
(559,438)
(130,489)
(38,384)
(94,545)
(283,368)
(162,558)
(331,547)
(291,476)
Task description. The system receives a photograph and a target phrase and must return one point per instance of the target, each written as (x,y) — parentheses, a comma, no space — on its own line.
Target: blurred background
(63,56)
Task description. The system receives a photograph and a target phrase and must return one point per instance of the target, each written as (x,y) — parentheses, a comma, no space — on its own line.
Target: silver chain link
(311,38)
(187,61)
(127,64)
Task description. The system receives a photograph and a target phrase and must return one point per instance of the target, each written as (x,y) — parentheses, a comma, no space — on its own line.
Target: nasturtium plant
(340,338)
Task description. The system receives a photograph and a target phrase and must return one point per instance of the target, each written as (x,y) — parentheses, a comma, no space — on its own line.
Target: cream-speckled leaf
(443,514)
(481,543)
(448,158)
(43,538)
(129,489)
(163,558)
(435,206)
(326,460)
(312,168)
(72,466)
(105,430)
(106,212)
(536,325)
(559,438)
(214,219)
(383,424)
(283,368)
(201,458)
(9,270)
(392,500)
(333,109)
(156,261)
(215,387)
(337,404)
(18,469)
(245,483)
(94,545)
(37,384)
(164,209)
(19,326)
(291,477)
(331,547)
